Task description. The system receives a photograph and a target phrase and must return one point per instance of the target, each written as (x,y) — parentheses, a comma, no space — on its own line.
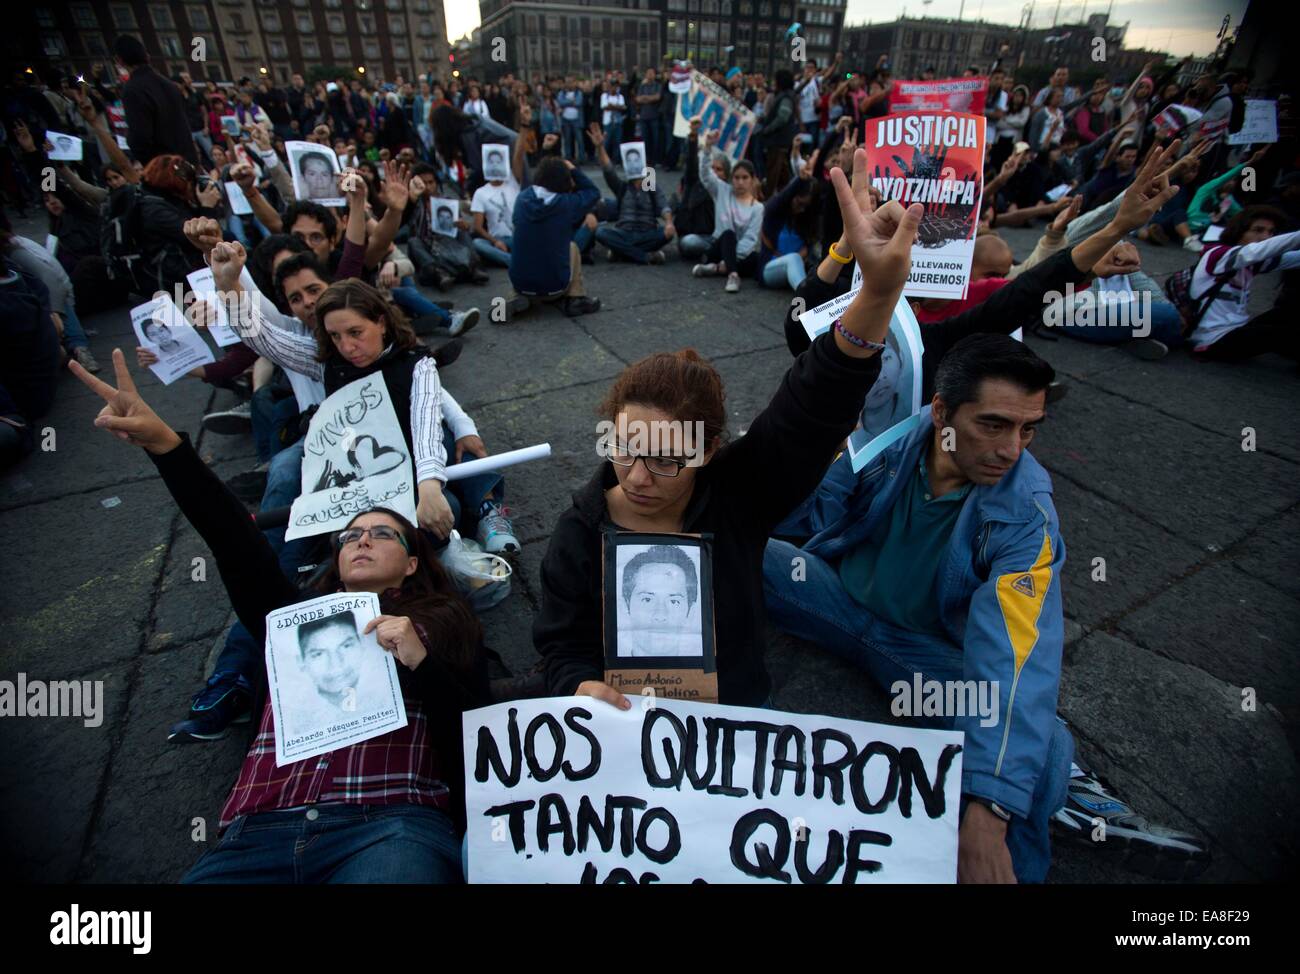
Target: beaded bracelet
(853,339)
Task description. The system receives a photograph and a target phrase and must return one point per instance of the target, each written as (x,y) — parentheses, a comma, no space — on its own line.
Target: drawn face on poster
(331,685)
(495,164)
(659,601)
(445,213)
(315,171)
(633,159)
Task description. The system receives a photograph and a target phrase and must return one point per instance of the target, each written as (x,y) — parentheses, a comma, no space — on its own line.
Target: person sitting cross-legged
(636,234)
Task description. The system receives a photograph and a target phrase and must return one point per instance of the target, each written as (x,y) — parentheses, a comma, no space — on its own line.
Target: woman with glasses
(672,471)
(386,810)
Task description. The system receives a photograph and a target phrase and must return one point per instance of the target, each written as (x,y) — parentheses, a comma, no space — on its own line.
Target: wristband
(836,256)
(853,339)
(992,806)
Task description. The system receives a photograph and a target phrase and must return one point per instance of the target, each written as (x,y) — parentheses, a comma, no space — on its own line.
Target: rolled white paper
(470,468)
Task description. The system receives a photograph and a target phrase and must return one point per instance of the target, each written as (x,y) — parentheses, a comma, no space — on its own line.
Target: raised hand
(209,195)
(24,136)
(227,262)
(396,191)
(125,414)
(1073,204)
(1149,191)
(596,135)
(203,232)
(1123,258)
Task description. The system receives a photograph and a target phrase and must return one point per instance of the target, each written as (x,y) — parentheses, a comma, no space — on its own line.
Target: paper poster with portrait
(161,328)
(315,170)
(658,614)
(496,161)
(633,154)
(443,214)
(63,148)
(331,684)
(204,288)
(230,125)
(893,406)
(355,457)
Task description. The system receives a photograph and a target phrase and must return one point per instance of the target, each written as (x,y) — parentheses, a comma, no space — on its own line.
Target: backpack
(1178,289)
(119,237)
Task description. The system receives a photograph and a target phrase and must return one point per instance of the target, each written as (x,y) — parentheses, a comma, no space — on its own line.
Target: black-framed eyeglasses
(377,532)
(659,466)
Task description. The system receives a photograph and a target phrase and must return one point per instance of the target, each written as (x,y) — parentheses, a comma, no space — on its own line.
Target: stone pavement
(1200,598)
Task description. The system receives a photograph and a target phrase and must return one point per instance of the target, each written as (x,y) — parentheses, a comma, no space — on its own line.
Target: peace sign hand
(126,415)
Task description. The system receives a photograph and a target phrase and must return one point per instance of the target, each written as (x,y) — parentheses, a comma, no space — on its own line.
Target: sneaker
(250,485)
(463,321)
(1147,349)
(704,270)
(656,258)
(515,306)
(1193,243)
(230,422)
(581,306)
(1162,853)
(226,699)
(733,283)
(495,532)
(85,359)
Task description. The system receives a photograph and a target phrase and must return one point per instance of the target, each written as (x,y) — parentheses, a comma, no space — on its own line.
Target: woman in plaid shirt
(386,810)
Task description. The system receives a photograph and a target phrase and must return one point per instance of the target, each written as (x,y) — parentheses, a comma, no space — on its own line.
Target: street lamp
(361,69)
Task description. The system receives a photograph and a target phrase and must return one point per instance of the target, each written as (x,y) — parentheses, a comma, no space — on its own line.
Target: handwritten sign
(1259,124)
(717,111)
(355,457)
(572,790)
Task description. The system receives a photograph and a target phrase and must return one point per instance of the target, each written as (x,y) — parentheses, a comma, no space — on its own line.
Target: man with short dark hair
(156,117)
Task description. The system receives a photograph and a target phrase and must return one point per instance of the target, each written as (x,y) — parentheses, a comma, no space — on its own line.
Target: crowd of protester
(340,293)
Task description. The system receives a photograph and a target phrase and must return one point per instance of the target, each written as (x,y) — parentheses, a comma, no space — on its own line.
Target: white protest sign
(314,169)
(1212,233)
(63,148)
(355,457)
(330,685)
(160,327)
(569,790)
(121,142)
(717,111)
(239,204)
(935,159)
(1056,192)
(1259,123)
(205,289)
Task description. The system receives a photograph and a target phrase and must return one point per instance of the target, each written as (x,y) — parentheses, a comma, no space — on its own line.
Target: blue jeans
(408,297)
(490,253)
(633,245)
(694,244)
(270,418)
(613,137)
(74,336)
(819,610)
(1165,323)
(584,238)
(649,131)
(784,270)
(571,140)
(336,843)
(235,224)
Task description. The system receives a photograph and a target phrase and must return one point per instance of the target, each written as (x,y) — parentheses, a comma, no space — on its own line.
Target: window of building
(366,22)
(123,15)
(161,16)
(236,22)
(45,18)
(171,45)
(397,26)
(372,50)
(244,49)
(341,47)
(401,49)
(335,22)
(333,4)
(310,48)
(277,48)
(53,46)
(271,21)
(426,28)
(305,23)
(198,18)
(83,15)
(394,5)
(552,23)
(94,45)
(428,52)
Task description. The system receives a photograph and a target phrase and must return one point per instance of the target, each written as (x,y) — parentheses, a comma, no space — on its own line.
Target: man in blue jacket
(545,264)
(941,561)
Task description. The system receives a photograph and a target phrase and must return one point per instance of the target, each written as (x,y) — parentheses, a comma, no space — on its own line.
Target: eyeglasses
(315,237)
(377,532)
(659,466)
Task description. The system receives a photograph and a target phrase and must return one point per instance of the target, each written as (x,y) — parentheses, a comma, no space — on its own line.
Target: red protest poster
(948,95)
(936,159)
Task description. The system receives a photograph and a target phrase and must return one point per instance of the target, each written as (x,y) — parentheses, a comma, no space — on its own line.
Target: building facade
(224,40)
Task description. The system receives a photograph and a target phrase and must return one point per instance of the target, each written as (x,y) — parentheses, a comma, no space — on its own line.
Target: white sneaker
(704,270)
(1193,243)
(495,532)
(733,283)
(462,321)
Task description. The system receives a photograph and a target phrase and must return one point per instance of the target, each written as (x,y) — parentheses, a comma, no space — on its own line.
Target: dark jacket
(739,497)
(781,124)
(156,117)
(638,209)
(167,253)
(250,570)
(29,345)
(1016,305)
(539,253)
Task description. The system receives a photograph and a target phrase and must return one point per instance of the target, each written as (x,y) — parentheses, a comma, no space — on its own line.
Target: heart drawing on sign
(369,459)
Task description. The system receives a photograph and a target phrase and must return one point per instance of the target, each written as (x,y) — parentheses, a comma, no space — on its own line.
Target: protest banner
(1174,119)
(330,684)
(160,327)
(717,111)
(204,287)
(946,95)
(937,159)
(572,790)
(355,458)
(1259,124)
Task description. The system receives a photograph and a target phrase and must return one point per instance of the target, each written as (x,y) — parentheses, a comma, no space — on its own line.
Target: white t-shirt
(497,204)
(808,101)
(612,100)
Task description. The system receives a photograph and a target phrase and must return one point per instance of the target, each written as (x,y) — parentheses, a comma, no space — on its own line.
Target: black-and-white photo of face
(633,161)
(317,176)
(330,654)
(659,601)
(494,164)
(156,332)
(444,217)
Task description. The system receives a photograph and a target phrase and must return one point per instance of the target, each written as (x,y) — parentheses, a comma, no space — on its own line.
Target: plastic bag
(484,579)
